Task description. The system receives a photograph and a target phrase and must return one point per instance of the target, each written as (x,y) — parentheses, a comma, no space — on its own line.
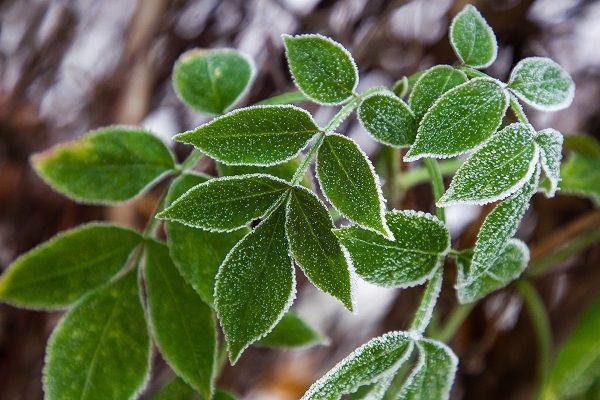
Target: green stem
(285,98)
(150,230)
(454,321)
(437,184)
(393,189)
(341,115)
(430,297)
(303,167)
(191,160)
(541,325)
(420,175)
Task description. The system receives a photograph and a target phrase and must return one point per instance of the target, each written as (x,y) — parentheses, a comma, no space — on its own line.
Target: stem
(430,296)
(150,230)
(420,175)
(285,98)
(302,168)
(341,115)
(393,164)
(516,108)
(541,325)
(191,160)
(454,321)
(437,184)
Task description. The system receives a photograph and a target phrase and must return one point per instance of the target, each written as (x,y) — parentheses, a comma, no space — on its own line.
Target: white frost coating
(332,375)
(220,179)
(238,110)
(353,278)
(530,171)
(431,217)
(389,235)
(550,143)
(333,42)
(410,157)
(566,102)
(490,31)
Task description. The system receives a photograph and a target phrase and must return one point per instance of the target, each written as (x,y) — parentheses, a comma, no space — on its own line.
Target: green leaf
(106,166)
(314,246)
(183,325)
(177,389)
(61,270)
(582,144)
(497,170)
(255,285)
(433,376)
(499,226)
(374,391)
(225,204)
(322,69)
(259,135)
(211,81)
(463,118)
(421,241)
(431,85)
(285,98)
(388,119)
(367,364)
(292,331)
(197,253)
(581,175)
(472,39)
(550,142)
(542,83)
(284,171)
(350,183)
(576,367)
(101,348)
(506,267)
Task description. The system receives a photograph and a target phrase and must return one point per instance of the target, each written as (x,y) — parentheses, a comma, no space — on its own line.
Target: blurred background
(70,66)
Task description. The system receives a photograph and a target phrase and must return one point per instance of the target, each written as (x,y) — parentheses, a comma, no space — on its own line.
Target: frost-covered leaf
(431,85)
(433,375)
(497,170)
(581,175)
(182,324)
(106,166)
(370,362)
(292,331)
(374,391)
(576,367)
(388,119)
(349,182)
(59,271)
(101,348)
(314,246)
(464,117)
(255,284)
(177,389)
(550,142)
(542,83)
(421,240)
(197,253)
(227,203)
(473,40)
(506,267)
(259,135)
(499,226)
(211,81)
(284,171)
(322,69)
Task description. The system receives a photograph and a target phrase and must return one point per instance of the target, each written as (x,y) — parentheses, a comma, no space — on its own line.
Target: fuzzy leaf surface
(542,83)
(197,253)
(431,85)
(225,204)
(498,227)
(106,166)
(550,142)
(61,270)
(291,331)
(314,246)
(258,135)
(506,267)
(284,171)
(211,81)
(434,374)
(255,284)
(581,175)
(349,182)
(322,69)
(576,366)
(461,119)
(473,40)
(501,167)
(101,347)
(421,240)
(388,119)
(365,365)
(183,325)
